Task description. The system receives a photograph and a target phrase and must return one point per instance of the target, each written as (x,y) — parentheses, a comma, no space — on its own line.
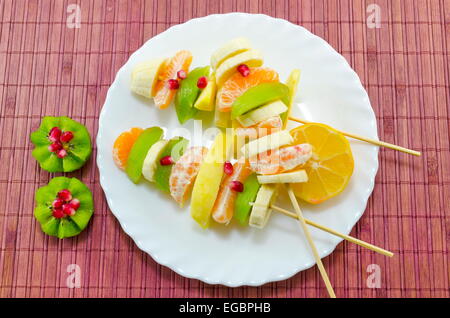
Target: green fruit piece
(242,206)
(258,95)
(139,150)
(78,148)
(66,226)
(187,94)
(175,148)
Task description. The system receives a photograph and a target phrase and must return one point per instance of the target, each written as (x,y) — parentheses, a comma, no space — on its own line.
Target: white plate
(329,92)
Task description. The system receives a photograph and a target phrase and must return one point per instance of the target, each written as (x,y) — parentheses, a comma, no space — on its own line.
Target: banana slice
(288,177)
(145,75)
(269,142)
(151,159)
(252,58)
(228,50)
(261,207)
(262,113)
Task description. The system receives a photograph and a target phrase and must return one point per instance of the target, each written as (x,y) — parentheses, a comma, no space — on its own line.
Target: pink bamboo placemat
(50,69)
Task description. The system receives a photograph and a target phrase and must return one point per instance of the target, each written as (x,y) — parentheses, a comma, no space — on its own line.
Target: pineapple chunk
(207,184)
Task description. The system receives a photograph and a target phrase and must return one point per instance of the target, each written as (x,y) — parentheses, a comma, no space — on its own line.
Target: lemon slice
(330,166)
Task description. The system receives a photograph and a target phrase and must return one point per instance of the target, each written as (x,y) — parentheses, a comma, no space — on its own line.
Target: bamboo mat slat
(49,69)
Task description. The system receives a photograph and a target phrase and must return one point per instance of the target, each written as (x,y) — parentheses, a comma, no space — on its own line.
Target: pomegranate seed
(58,213)
(228,168)
(61,153)
(75,203)
(66,136)
(54,147)
(68,210)
(57,203)
(65,195)
(244,70)
(173,84)
(54,134)
(181,74)
(166,161)
(202,82)
(236,186)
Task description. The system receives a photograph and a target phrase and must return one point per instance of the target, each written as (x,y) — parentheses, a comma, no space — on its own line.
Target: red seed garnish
(228,168)
(75,203)
(58,213)
(202,82)
(66,136)
(181,74)
(166,161)
(68,210)
(54,134)
(173,84)
(244,70)
(57,203)
(54,147)
(236,186)
(65,195)
(61,153)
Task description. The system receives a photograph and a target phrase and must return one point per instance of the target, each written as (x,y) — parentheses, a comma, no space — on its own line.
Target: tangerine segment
(223,209)
(122,146)
(330,166)
(184,173)
(281,160)
(237,84)
(164,95)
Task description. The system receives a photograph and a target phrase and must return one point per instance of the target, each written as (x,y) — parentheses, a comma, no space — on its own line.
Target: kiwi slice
(175,149)
(242,206)
(63,216)
(61,144)
(139,151)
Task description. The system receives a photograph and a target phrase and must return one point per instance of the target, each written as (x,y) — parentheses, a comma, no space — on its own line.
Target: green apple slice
(187,94)
(139,151)
(242,205)
(258,95)
(175,148)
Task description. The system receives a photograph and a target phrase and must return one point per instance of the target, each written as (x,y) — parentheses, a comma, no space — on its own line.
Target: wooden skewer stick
(331,231)
(322,270)
(369,140)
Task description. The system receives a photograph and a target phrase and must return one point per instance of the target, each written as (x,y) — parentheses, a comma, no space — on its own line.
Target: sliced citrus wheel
(330,166)
(237,84)
(122,146)
(164,95)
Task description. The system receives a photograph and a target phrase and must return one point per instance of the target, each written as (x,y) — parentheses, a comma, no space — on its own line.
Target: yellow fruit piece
(330,166)
(207,184)
(222,119)
(145,76)
(206,100)
(251,58)
(229,49)
(292,84)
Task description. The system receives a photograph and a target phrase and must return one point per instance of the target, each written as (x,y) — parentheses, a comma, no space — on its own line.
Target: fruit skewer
(369,140)
(336,233)
(322,270)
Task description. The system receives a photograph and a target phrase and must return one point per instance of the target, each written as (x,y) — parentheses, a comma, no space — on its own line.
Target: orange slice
(223,209)
(122,146)
(237,84)
(164,95)
(330,166)
(184,173)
